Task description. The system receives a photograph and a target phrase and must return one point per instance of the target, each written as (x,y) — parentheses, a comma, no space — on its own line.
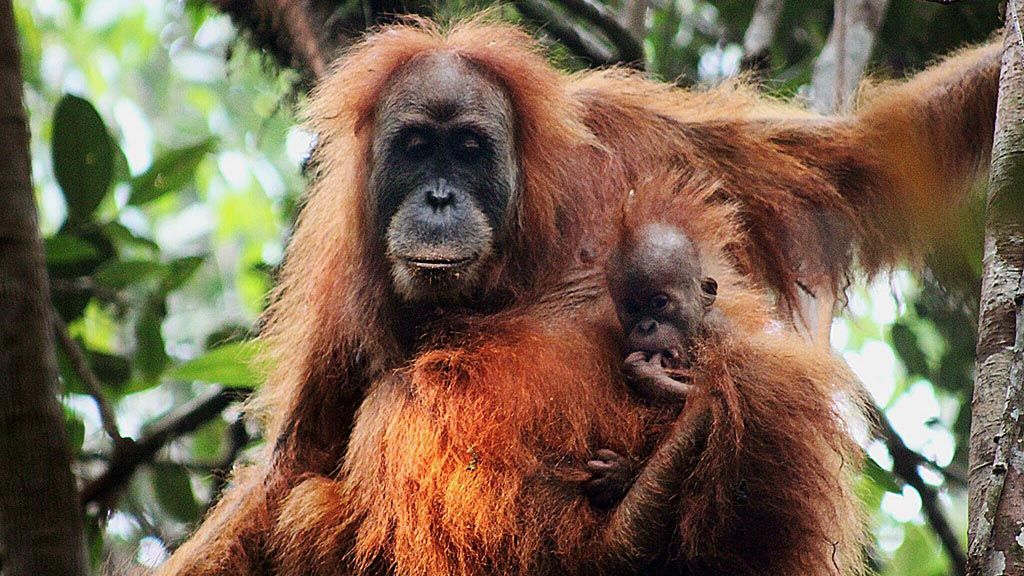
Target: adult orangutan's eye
(416,144)
(467,145)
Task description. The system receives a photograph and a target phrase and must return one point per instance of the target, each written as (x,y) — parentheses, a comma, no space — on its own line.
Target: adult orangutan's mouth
(440,264)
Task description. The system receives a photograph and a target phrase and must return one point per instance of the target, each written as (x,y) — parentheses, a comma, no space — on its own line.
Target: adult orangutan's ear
(708,291)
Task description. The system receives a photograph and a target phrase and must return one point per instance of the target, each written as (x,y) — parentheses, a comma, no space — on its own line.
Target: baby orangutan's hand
(611,477)
(648,378)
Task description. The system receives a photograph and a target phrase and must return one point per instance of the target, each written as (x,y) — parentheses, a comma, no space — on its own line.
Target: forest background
(160,266)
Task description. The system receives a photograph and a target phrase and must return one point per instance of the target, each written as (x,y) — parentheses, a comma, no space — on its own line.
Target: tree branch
(900,451)
(630,50)
(302,34)
(905,467)
(131,455)
(578,41)
(81,367)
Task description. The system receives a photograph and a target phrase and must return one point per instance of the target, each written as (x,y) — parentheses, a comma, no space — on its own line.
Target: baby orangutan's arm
(640,527)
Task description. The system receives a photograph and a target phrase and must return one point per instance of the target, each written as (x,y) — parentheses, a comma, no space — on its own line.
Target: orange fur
(527,399)
(463,455)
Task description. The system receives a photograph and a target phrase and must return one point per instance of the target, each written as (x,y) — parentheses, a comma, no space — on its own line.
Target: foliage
(167,164)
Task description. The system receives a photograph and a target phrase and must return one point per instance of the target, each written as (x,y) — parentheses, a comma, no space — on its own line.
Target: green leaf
(119,274)
(179,271)
(904,340)
(920,554)
(174,492)
(228,334)
(64,249)
(122,236)
(75,430)
(122,172)
(150,355)
(169,172)
(94,536)
(881,477)
(83,156)
(111,369)
(207,440)
(69,379)
(954,374)
(230,365)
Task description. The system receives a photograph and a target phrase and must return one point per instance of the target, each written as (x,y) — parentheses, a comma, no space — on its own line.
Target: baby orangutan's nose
(647,327)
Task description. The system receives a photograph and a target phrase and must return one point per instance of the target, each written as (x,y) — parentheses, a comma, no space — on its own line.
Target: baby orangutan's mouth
(673,358)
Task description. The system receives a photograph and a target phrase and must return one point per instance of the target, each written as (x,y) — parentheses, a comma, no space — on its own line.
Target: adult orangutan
(446,356)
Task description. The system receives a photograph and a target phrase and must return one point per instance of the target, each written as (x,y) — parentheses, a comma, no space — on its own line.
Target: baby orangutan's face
(660,296)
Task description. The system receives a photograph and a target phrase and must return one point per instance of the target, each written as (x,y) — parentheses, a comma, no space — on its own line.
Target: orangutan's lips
(440,264)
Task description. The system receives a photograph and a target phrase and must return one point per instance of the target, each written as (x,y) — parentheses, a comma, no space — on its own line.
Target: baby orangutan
(663,302)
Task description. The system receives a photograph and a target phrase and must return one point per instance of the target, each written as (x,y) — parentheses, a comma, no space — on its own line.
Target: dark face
(660,296)
(444,176)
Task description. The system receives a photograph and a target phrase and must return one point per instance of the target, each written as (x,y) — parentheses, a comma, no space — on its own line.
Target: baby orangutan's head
(660,294)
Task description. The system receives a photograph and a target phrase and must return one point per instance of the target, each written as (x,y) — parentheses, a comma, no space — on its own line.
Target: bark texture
(40,522)
(996,518)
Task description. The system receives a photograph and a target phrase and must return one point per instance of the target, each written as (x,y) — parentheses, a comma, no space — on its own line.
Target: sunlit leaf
(919,555)
(83,156)
(169,172)
(230,365)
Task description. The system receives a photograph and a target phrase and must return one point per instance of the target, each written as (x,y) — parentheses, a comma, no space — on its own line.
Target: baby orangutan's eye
(659,301)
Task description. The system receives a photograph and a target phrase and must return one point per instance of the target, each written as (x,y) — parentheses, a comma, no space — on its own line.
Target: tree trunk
(634,18)
(996,517)
(40,520)
(837,73)
(757,40)
(838,69)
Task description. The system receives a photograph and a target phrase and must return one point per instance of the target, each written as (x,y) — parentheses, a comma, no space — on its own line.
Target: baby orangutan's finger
(637,356)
